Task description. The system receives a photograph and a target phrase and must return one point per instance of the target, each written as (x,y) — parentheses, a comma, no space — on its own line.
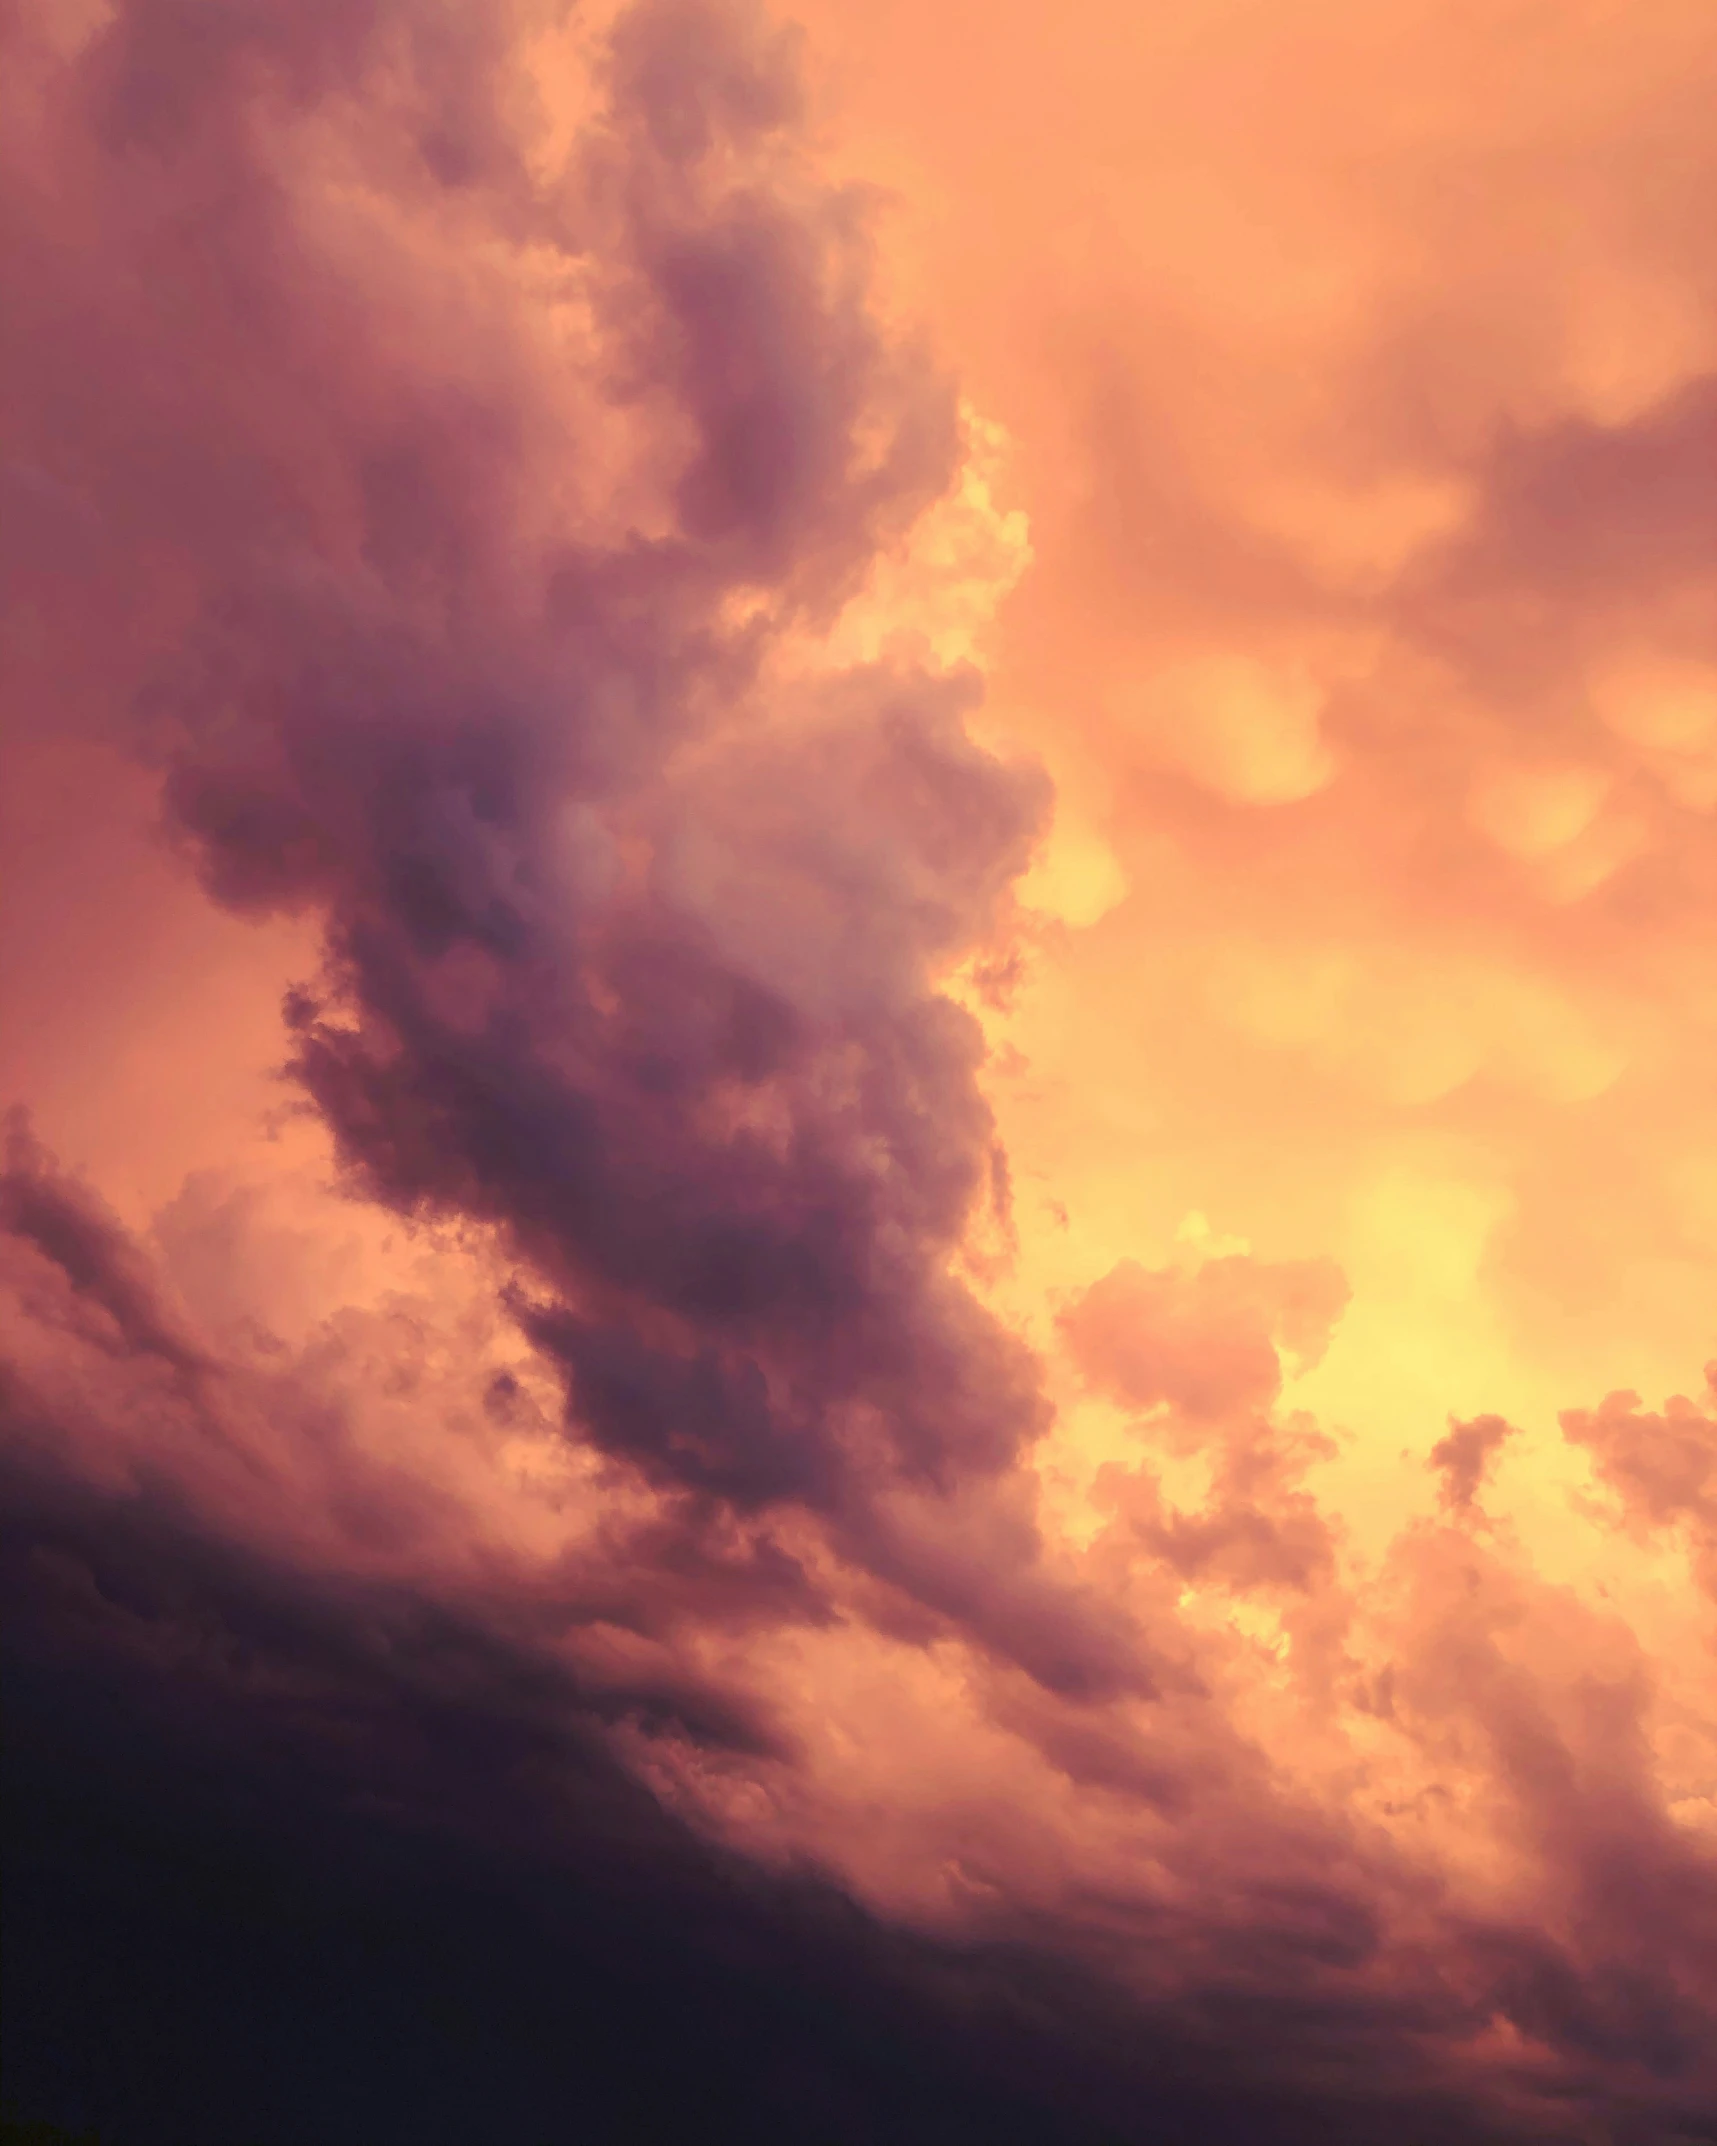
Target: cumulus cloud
(627,955)
(1464,1458)
(1661,1464)
(1206,1342)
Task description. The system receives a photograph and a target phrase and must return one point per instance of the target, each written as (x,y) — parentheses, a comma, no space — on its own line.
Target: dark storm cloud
(632,952)
(297,1850)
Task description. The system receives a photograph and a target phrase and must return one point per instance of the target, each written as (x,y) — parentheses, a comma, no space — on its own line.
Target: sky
(857,986)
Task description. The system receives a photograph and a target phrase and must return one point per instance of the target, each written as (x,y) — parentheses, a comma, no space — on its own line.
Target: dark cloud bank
(463,636)
(292,1864)
(299,1856)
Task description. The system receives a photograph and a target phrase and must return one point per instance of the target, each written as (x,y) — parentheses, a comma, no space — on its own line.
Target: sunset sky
(858,970)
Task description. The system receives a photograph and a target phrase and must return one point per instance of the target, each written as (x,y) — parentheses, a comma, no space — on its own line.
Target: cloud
(1464,1457)
(1662,1465)
(112,1295)
(1579,508)
(256,1664)
(459,473)
(631,954)
(1206,1342)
